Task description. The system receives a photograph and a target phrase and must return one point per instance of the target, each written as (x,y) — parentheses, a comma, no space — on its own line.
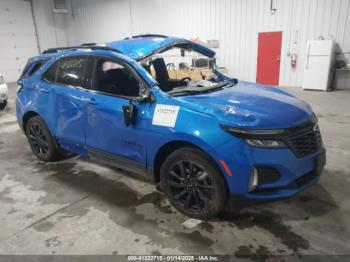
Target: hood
(248,105)
(140,47)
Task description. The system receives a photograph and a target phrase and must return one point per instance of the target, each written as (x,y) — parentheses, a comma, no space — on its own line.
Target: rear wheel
(41,141)
(193,183)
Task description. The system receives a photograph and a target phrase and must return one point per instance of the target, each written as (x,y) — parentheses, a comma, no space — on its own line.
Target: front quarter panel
(193,127)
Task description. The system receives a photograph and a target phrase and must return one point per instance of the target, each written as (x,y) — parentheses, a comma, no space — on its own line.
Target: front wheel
(41,141)
(193,183)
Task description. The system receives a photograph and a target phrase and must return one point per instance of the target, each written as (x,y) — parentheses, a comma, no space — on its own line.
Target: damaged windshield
(181,71)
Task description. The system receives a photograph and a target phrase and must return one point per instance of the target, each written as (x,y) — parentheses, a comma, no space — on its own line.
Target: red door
(269,56)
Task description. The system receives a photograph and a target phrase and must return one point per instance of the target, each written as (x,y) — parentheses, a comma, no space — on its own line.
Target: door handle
(90,101)
(278,58)
(42,89)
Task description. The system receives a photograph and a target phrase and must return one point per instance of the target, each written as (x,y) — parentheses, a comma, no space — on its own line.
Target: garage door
(17,37)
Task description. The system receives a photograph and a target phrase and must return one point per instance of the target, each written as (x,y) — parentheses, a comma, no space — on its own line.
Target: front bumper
(295,173)
(274,193)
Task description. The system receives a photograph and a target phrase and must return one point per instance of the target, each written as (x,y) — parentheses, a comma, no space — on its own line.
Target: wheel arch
(171,146)
(31,113)
(28,115)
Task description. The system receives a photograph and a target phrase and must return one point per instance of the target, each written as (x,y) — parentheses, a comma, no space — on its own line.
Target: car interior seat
(162,76)
(118,81)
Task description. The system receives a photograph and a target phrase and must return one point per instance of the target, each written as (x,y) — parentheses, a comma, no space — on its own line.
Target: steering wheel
(185,79)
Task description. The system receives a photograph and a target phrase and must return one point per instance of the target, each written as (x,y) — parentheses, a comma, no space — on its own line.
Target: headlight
(252,132)
(2,80)
(265,143)
(259,138)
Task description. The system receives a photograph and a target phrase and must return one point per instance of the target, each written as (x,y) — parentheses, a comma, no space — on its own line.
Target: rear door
(71,89)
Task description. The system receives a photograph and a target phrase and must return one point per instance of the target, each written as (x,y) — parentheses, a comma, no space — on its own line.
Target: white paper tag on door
(165,115)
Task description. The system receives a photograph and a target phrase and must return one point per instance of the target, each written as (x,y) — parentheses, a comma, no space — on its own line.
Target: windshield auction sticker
(165,115)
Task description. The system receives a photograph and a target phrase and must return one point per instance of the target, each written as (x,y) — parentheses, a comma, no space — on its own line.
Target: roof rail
(88,44)
(149,35)
(84,46)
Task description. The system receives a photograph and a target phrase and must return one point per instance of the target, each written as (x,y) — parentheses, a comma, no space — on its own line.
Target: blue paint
(78,125)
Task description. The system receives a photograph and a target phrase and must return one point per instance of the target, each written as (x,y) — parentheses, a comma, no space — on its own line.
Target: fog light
(253,180)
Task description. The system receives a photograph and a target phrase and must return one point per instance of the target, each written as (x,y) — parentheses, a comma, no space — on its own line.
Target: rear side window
(50,75)
(26,68)
(71,71)
(36,67)
(32,67)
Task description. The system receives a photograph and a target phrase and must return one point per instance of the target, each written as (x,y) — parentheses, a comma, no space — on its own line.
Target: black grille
(305,139)
(267,175)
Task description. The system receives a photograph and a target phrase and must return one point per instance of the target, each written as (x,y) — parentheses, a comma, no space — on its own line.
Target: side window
(36,67)
(32,67)
(50,74)
(114,78)
(26,68)
(71,71)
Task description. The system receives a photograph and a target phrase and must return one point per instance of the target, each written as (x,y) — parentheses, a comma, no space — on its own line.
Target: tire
(3,105)
(41,141)
(193,183)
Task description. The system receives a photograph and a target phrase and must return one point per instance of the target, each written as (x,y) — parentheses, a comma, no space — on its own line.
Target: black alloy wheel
(193,183)
(38,140)
(41,141)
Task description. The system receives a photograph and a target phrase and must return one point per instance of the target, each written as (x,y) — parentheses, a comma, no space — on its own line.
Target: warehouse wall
(18,39)
(51,28)
(235,23)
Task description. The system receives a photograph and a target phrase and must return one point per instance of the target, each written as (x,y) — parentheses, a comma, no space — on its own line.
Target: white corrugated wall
(51,27)
(235,23)
(18,39)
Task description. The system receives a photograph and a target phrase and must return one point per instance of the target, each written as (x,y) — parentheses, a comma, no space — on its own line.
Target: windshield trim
(219,86)
(188,45)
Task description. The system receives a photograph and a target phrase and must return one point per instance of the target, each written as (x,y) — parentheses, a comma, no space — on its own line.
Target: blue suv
(208,140)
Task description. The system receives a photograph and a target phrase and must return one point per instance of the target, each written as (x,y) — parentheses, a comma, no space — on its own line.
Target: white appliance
(319,60)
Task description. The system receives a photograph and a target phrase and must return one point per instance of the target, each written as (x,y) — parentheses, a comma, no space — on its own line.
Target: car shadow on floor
(313,202)
(276,217)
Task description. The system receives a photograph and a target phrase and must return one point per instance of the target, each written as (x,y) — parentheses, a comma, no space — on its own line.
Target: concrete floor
(77,207)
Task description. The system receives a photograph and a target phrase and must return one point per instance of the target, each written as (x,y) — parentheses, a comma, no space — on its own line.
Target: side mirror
(130,114)
(145,97)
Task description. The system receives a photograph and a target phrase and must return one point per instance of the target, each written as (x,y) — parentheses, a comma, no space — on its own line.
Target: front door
(108,138)
(269,57)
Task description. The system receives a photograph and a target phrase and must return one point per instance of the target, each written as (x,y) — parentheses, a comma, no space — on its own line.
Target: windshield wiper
(199,89)
(184,91)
